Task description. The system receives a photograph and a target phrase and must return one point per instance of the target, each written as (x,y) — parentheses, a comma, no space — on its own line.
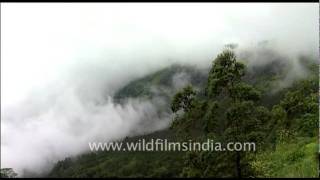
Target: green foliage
(224,73)
(123,164)
(244,92)
(160,80)
(7,173)
(244,121)
(210,120)
(188,124)
(298,159)
(235,107)
(298,110)
(183,100)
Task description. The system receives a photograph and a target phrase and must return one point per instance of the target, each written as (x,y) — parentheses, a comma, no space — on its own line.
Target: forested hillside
(232,100)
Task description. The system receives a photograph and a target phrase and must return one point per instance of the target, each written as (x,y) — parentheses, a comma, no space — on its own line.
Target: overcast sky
(40,41)
(50,51)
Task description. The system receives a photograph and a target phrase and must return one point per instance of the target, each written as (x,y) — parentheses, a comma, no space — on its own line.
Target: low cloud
(62,63)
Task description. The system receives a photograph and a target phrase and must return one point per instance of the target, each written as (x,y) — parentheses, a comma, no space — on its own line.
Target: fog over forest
(61,64)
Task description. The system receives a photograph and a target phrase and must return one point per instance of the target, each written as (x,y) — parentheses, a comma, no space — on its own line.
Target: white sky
(39,40)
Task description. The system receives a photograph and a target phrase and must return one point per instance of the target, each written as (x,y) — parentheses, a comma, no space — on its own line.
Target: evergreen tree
(242,120)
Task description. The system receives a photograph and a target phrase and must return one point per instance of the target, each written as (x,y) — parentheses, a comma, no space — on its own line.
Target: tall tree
(229,114)
(245,121)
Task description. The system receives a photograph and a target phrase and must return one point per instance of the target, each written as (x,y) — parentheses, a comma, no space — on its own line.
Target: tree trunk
(238,165)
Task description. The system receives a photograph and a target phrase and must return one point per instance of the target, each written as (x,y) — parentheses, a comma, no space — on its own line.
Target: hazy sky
(40,41)
(59,59)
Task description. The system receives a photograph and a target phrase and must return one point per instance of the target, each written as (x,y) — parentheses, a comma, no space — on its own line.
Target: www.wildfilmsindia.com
(165,145)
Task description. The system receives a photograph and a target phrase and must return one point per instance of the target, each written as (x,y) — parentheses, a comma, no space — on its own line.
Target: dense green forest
(231,101)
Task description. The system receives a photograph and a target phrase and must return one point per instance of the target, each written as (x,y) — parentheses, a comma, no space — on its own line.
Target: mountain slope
(169,164)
